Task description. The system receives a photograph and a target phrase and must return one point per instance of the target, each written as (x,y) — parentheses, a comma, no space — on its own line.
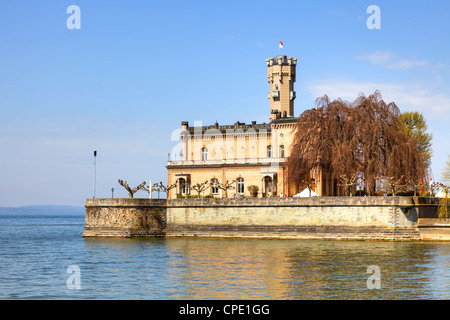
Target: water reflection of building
(228,268)
(311,269)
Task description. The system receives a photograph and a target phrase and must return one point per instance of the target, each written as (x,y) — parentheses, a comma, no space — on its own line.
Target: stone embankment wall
(125,217)
(434,229)
(358,218)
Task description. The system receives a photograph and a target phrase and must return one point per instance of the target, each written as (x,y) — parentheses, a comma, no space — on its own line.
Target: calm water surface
(35,253)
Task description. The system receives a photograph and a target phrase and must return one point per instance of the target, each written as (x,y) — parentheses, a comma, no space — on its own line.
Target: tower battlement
(281,60)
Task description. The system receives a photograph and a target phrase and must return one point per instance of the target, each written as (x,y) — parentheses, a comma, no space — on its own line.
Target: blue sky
(124,82)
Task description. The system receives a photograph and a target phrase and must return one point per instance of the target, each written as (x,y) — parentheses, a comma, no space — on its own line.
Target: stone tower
(281,78)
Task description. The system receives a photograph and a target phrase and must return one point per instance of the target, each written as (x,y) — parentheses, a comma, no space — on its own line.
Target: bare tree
(226,186)
(131,191)
(310,184)
(164,188)
(433,188)
(347,182)
(153,188)
(158,188)
(200,187)
(392,184)
(415,185)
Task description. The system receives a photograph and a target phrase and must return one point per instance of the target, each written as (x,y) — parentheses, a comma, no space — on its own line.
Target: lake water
(36,252)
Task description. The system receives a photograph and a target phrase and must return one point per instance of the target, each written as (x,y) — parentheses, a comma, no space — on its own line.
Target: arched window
(204,154)
(240,185)
(282,152)
(214,186)
(269,152)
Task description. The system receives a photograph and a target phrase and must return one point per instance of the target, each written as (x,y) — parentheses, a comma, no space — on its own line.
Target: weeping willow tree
(364,138)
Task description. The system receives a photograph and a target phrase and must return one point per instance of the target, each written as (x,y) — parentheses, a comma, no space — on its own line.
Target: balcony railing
(227,161)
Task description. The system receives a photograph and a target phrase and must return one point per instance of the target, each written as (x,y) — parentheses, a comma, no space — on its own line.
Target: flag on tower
(281,45)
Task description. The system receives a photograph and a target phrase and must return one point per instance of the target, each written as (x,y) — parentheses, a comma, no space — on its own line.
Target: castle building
(227,159)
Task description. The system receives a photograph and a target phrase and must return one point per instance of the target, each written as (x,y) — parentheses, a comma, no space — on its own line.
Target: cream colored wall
(241,144)
(252,175)
(238,144)
(228,151)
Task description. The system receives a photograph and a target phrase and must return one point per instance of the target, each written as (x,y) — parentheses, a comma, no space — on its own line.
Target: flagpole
(95,173)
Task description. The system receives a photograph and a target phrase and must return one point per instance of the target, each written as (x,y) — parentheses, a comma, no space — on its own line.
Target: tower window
(269,152)
(281,151)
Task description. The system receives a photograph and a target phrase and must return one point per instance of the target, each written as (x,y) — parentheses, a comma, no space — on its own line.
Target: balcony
(276,95)
(292,95)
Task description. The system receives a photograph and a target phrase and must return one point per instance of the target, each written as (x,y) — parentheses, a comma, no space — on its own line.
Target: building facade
(224,160)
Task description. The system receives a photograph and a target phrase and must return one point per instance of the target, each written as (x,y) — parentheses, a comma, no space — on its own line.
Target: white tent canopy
(441,194)
(305,194)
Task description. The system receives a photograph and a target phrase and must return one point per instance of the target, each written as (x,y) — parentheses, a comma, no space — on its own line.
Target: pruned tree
(363,138)
(415,185)
(226,186)
(433,188)
(392,184)
(164,188)
(348,183)
(158,188)
(131,191)
(200,187)
(153,188)
(310,184)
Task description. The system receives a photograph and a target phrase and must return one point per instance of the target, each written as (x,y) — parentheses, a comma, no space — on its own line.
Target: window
(183,186)
(281,151)
(269,152)
(267,186)
(204,154)
(214,186)
(240,186)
